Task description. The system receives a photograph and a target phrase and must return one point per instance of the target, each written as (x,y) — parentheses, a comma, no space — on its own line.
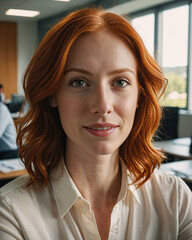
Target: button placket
(89,223)
(115,217)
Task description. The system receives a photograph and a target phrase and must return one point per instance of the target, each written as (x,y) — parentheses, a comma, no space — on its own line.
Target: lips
(101,129)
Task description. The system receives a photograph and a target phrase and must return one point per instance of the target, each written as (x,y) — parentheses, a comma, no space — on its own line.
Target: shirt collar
(66,192)
(64,189)
(127,184)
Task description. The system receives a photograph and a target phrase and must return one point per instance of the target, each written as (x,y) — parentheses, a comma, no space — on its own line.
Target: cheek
(69,109)
(128,113)
(128,106)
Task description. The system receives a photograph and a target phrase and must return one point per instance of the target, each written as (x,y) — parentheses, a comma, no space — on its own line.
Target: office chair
(168,127)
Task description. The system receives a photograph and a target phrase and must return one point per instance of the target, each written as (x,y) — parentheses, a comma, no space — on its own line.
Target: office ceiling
(50,8)
(47,8)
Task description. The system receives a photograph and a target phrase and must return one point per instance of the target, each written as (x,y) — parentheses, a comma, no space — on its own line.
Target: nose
(101,101)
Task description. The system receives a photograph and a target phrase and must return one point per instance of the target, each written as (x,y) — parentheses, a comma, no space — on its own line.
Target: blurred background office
(165,26)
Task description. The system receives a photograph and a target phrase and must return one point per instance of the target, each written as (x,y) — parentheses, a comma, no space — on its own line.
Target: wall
(8,57)
(185,124)
(27,41)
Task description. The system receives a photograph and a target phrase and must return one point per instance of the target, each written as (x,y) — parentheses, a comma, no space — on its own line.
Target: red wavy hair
(40,134)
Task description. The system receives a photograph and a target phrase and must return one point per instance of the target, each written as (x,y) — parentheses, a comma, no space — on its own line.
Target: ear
(53,101)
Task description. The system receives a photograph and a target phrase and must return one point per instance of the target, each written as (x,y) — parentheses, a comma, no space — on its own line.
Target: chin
(103,150)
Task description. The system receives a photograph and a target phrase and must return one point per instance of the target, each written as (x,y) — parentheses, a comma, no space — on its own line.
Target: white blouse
(159,210)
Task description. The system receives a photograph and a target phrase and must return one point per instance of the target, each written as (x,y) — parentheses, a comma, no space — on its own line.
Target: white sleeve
(9,227)
(4,118)
(185,211)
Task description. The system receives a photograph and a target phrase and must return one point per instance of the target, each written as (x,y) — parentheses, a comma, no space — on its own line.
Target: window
(144,25)
(174,55)
(167,31)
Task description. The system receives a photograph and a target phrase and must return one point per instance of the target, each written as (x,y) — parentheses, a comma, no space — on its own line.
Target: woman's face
(97,98)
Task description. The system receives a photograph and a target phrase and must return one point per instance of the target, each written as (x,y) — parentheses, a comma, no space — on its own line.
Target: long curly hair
(41,139)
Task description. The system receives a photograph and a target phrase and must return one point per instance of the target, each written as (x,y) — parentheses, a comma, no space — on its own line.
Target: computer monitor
(16,102)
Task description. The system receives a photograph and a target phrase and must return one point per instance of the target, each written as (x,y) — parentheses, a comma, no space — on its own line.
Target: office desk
(16,168)
(15,115)
(7,177)
(177,147)
(12,175)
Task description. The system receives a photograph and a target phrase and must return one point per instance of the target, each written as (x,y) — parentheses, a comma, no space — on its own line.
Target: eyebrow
(121,70)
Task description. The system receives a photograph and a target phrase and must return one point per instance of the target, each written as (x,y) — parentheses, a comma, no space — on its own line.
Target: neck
(98,178)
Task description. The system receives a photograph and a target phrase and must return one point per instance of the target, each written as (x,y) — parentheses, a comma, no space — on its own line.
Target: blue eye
(78,83)
(121,83)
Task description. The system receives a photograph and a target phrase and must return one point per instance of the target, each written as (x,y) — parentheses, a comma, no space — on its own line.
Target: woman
(93,92)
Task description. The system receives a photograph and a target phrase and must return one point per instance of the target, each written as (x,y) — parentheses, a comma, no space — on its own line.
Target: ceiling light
(22,13)
(62,0)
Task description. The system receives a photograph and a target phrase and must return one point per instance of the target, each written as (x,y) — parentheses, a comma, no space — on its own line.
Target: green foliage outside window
(175,94)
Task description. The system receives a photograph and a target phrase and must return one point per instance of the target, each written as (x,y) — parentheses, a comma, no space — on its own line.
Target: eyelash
(75,81)
(78,80)
(126,82)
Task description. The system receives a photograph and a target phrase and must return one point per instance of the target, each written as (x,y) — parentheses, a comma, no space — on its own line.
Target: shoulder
(14,190)
(164,177)
(4,110)
(169,181)
(3,107)
(170,188)
(17,195)
(18,201)
(14,185)
(177,195)
(167,187)
(20,210)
